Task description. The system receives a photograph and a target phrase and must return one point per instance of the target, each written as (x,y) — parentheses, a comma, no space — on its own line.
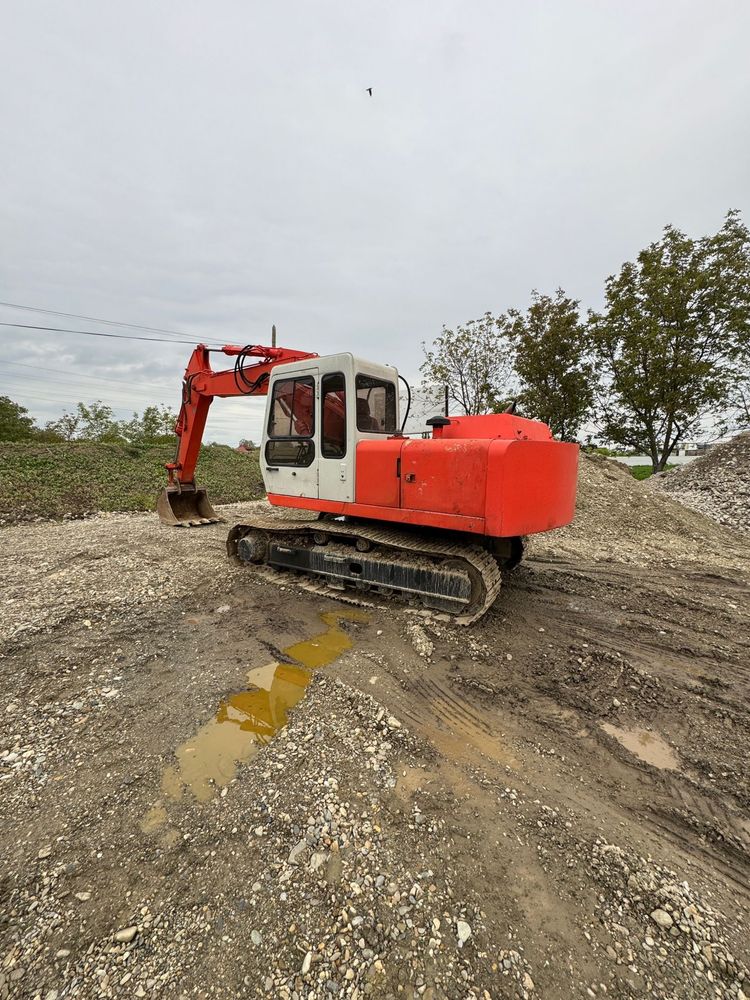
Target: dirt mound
(620,519)
(718,484)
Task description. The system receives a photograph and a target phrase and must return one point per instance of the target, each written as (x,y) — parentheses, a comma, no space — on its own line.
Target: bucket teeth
(185,508)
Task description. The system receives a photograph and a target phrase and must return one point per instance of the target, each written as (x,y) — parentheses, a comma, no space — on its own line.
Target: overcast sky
(213,168)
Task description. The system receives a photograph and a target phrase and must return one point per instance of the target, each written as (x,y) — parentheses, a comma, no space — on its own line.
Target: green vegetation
(550,359)
(669,343)
(15,422)
(644,471)
(75,477)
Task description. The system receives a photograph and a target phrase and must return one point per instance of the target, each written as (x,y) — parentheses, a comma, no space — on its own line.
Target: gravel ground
(717,484)
(554,802)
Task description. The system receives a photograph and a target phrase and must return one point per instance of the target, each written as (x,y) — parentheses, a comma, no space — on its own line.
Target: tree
(15,423)
(550,359)
(97,422)
(65,427)
(155,425)
(473,361)
(669,342)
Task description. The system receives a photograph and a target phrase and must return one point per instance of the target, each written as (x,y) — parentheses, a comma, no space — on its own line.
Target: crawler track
(462,580)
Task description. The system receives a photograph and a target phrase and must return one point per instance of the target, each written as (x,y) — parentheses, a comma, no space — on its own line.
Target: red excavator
(432,519)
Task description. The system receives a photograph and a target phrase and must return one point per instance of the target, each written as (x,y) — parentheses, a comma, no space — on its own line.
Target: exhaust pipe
(181,507)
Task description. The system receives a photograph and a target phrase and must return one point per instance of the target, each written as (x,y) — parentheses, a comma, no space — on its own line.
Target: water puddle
(647,746)
(248,719)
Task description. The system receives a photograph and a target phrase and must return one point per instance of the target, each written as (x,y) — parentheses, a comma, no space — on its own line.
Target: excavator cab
(317,414)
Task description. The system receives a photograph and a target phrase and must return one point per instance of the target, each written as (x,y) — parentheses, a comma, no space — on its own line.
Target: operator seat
(365,420)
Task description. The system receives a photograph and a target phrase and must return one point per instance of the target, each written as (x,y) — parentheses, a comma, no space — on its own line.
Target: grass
(644,471)
(50,480)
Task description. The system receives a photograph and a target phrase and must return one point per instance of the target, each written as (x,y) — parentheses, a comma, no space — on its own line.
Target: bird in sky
(369,90)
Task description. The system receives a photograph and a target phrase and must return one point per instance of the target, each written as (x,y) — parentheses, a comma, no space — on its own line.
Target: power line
(134,383)
(93,319)
(134,390)
(91,333)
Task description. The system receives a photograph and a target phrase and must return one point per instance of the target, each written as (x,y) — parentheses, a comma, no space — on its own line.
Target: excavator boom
(182,503)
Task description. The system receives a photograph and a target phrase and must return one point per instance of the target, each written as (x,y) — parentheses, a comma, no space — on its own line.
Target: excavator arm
(182,503)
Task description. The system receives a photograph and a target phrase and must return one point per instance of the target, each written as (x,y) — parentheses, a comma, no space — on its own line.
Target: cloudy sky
(213,168)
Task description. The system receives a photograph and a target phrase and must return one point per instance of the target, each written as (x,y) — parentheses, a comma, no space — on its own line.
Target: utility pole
(446,400)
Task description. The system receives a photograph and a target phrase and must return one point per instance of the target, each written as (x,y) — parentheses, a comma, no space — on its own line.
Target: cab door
(290,453)
(336,463)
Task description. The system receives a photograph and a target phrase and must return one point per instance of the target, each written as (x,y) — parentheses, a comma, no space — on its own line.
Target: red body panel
(500,487)
(448,477)
(531,486)
(377,472)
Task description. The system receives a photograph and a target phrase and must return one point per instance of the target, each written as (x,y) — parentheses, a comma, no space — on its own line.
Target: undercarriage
(461,579)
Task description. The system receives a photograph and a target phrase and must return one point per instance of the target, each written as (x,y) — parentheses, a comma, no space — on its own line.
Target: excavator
(432,519)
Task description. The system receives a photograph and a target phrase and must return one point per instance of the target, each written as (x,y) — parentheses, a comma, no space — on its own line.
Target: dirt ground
(210,790)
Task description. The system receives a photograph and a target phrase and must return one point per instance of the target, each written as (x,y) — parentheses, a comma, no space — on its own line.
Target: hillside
(52,480)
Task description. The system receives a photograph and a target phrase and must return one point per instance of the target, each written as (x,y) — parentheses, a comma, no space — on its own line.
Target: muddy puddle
(247,719)
(647,746)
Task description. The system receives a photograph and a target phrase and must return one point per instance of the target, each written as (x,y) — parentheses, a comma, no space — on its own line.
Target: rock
(317,860)
(420,640)
(44,852)
(126,934)
(393,722)
(297,851)
(463,930)
(83,896)
(662,918)
(11,707)
(62,953)
(256,937)
(223,609)
(306,963)
(528,982)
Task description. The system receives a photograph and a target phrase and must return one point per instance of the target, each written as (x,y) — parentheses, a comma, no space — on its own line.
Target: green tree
(670,339)
(65,427)
(473,361)
(15,422)
(550,345)
(97,422)
(155,425)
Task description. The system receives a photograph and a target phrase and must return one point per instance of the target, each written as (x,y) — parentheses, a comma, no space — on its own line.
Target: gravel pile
(661,929)
(620,519)
(717,484)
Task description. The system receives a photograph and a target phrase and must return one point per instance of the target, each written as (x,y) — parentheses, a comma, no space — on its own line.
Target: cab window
(291,422)
(333,416)
(292,412)
(376,405)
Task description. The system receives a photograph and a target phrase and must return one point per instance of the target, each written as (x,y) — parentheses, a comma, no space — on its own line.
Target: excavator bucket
(185,508)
